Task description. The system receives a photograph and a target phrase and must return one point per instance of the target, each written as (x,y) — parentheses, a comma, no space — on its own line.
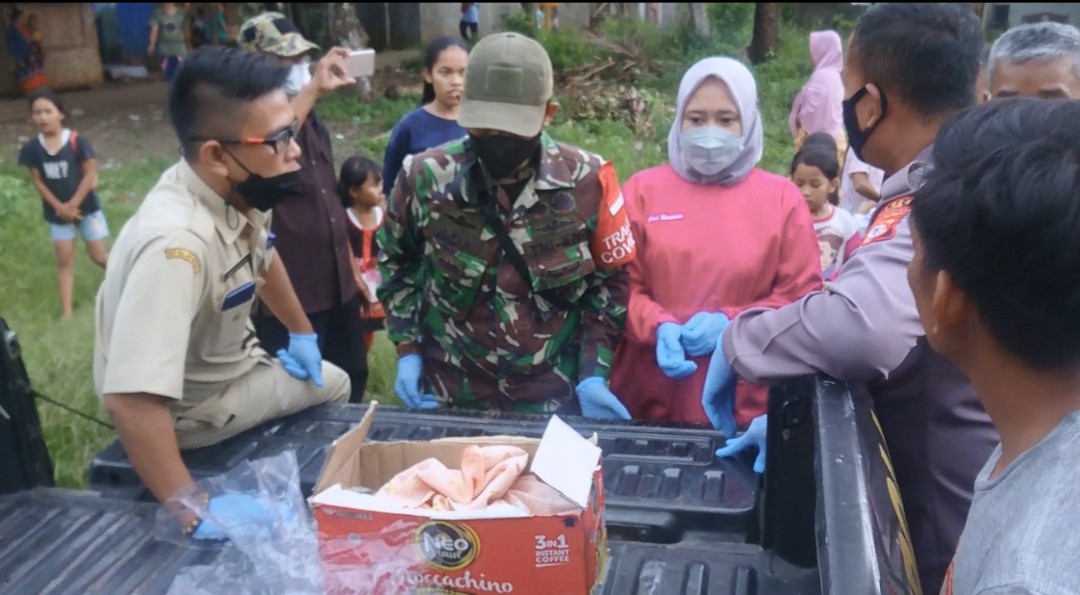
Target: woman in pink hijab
(715,235)
(818,107)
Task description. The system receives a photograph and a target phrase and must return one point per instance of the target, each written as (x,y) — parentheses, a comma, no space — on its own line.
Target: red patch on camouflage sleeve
(613,243)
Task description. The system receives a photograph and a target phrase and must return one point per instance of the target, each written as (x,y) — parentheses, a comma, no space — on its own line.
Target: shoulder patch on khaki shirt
(184,254)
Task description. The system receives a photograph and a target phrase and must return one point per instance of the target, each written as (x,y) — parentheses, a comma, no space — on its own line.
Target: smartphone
(360,63)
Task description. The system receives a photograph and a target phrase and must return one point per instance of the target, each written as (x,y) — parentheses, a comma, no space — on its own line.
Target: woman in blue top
(434,123)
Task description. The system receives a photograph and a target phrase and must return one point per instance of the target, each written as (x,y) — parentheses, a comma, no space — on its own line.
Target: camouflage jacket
(489,339)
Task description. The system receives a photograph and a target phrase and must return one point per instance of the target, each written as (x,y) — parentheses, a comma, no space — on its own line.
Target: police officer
(176,360)
(909,68)
(503,253)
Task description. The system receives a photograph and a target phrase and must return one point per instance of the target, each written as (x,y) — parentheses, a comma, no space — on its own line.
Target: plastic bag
(277,554)
(378,562)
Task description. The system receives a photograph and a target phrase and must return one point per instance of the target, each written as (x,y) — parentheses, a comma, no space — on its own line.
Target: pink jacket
(817,108)
(706,248)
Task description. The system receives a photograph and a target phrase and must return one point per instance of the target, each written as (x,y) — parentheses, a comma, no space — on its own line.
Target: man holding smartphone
(310,229)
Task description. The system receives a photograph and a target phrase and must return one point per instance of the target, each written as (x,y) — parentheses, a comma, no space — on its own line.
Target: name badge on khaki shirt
(240,295)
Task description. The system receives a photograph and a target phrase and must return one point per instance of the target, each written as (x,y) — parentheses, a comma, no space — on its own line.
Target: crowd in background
(512,272)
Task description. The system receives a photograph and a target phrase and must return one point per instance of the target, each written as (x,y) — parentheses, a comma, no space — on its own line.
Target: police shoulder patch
(889,215)
(185,255)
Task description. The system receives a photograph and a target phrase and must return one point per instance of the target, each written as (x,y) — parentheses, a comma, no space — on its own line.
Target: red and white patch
(613,243)
(883,226)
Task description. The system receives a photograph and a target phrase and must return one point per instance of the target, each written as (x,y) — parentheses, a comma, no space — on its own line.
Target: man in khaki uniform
(176,359)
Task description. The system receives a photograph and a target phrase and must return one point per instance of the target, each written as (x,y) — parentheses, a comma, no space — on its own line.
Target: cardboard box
(370,550)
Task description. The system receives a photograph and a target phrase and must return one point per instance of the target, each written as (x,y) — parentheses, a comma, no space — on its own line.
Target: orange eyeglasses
(279,141)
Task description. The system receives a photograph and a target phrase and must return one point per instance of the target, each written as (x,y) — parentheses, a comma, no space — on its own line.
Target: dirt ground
(129,120)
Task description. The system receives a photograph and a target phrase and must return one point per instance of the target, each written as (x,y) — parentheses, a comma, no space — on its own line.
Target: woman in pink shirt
(818,107)
(715,236)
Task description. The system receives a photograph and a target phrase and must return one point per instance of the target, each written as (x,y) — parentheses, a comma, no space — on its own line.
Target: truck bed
(73,543)
(678,519)
(662,483)
(823,520)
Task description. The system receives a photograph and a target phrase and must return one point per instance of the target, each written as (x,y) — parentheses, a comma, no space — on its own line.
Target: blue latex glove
(753,436)
(718,396)
(669,352)
(407,385)
(303,359)
(597,401)
(236,511)
(700,333)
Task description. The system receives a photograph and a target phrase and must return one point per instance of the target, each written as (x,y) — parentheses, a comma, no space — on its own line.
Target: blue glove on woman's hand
(753,436)
(718,396)
(303,359)
(239,512)
(700,333)
(597,401)
(407,385)
(669,352)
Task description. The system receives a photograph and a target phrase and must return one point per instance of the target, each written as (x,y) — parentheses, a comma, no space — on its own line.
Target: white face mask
(710,150)
(299,77)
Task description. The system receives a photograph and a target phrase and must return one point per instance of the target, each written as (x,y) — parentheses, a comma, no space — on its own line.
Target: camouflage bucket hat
(273,33)
(508,83)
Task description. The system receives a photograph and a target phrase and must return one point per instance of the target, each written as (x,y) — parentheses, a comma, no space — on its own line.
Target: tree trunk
(345,27)
(700,18)
(296,15)
(345,30)
(766,31)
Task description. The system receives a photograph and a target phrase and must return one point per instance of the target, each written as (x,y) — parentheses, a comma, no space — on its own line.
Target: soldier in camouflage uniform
(503,253)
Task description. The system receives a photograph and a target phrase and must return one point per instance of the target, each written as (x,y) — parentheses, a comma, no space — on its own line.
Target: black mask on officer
(502,155)
(857,137)
(265,193)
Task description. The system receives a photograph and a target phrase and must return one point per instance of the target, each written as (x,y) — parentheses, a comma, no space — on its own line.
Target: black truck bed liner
(74,543)
(662,484)
(826,517)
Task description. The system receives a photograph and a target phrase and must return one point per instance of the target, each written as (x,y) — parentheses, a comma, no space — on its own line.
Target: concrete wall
(1017,11)
(441,18)
(69,39)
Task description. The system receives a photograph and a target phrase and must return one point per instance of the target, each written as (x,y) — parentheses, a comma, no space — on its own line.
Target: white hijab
(744,90)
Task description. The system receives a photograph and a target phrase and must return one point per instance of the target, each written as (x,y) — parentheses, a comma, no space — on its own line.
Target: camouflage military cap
(273,33)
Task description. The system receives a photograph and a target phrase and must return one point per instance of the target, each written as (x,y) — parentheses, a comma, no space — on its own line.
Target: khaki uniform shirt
(173,313)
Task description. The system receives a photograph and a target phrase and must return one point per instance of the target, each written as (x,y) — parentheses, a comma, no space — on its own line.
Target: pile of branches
(609,89)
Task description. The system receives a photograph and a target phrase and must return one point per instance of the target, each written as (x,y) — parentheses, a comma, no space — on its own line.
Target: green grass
(59,353)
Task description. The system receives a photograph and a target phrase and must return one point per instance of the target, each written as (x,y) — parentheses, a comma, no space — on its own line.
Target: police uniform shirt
(172,315)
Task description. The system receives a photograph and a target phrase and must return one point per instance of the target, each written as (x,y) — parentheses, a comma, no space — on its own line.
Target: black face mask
(857,137)
(501,155)
(265,193)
